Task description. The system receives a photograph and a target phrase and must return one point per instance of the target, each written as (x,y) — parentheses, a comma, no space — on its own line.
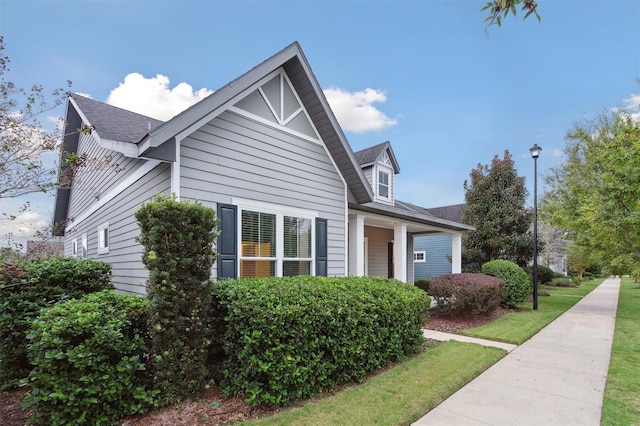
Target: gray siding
(94,181)
(437,248)
(125,255)
(234,156)
(410,259)
(379,239)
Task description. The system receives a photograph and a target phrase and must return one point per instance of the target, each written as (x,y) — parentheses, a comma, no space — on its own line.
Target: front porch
(379,245)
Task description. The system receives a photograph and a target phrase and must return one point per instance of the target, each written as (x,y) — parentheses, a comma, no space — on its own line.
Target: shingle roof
(366,157)
(115,123)
(453,212)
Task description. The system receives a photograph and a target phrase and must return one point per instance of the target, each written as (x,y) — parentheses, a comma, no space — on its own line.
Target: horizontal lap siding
(378,240)
(125,254)
(95,180)
(233,156)
(437,248)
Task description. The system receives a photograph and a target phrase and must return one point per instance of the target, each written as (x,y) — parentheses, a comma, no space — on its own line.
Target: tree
(594,193)
(23,139)
(499,9)
(495,204)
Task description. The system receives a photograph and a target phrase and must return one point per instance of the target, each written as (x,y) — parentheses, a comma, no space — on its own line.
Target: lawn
(398,396)
(622,398)
(518,327)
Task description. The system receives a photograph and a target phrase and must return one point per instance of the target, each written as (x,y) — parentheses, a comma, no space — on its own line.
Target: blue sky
(424,75)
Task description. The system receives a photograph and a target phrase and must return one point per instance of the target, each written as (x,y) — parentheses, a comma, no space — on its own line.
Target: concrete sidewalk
(555,378)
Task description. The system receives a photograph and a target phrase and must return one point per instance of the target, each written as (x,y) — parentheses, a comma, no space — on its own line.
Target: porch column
(456,253)
(356,245)
(400,252)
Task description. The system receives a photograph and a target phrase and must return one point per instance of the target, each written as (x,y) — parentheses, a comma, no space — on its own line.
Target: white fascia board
(133,178)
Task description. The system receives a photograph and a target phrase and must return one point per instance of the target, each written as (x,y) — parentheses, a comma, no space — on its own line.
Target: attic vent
(277,102)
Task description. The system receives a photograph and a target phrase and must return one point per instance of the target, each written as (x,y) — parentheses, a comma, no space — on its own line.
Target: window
(84,249)
(103,238)
(276,243)
(383,184)
(419,256)
(74,247)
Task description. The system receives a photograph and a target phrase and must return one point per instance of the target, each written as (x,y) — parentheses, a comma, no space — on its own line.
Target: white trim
(74,247)
(84,251)
(176,172)
(275,125)
(133,178)
(272,208)
(103,244)
(420,252)
(279,212)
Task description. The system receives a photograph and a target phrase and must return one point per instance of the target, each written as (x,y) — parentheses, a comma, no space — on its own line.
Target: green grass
(398,396)
(622,393)
(518,327)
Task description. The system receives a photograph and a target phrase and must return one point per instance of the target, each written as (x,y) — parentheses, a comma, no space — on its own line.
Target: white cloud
(21,229)
(632,102)
(355,110)
(153,97)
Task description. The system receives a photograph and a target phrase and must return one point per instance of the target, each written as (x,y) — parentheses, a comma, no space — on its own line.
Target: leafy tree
(594,193)
(499,9)
(495,204)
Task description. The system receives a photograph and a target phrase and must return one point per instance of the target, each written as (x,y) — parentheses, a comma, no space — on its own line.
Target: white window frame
(388,184)
(103,243)
(74,248)
(416,256)
(280,212)
(84,248)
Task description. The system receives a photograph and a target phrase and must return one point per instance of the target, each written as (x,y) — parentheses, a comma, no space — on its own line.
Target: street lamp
(535,152)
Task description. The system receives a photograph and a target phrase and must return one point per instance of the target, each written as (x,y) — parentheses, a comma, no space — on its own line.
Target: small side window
(74,247)
(419,256)
(84,249)
(103,238)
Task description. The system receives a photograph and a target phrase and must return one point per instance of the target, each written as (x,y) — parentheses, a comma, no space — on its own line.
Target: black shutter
(321,247)
(227,241)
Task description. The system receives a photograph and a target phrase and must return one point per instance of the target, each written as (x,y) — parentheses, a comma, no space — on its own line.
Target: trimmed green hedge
(89,361)
(26,289)
(290,338)
(517,285)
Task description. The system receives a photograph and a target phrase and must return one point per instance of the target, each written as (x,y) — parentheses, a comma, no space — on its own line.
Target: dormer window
(383,184)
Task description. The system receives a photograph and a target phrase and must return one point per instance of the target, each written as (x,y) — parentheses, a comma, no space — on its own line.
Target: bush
(517,286)
(292,337)
(562,282)
(89,361)
(545,274)
(423,284)
(466,293)
(26,289)
(178,239)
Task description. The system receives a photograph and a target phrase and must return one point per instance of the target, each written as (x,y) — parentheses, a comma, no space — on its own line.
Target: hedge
(26,289)
(89,361)
(290,338)
(517,282)
(466,293)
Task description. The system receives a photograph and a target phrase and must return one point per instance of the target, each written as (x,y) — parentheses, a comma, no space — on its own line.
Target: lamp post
(535,152)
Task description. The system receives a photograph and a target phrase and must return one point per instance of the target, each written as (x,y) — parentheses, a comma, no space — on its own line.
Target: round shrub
(562,282)
(423,284)
(88,356)
(516,280)
(26,289)
(466,293)
(545,274)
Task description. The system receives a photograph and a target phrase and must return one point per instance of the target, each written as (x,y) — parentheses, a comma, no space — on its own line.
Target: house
(268,154)
(432,253)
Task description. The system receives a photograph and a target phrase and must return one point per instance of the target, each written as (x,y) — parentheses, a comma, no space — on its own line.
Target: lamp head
(535,150)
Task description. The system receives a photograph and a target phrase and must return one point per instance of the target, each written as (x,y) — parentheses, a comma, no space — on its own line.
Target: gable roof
(113,123)
(295,64)
(453,212)
(368,156)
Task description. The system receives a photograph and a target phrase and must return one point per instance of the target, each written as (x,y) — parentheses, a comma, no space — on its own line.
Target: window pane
(258,234)
(383,184)
(297,237)
(257,268)
(294,267)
